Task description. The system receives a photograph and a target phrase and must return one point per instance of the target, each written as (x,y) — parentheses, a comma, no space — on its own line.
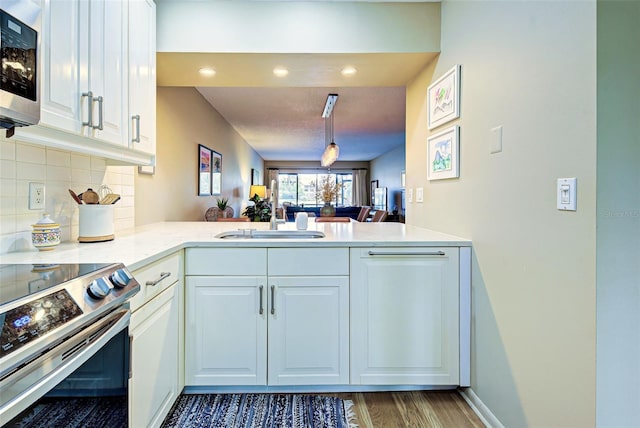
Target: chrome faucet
(273,224)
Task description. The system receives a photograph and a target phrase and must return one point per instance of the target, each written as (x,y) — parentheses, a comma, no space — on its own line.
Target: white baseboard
(479,408)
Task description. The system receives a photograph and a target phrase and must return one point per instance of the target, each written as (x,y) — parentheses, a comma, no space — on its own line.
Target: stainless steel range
(64,347)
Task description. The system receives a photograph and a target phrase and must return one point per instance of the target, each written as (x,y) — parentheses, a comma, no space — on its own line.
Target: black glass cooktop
(20,280)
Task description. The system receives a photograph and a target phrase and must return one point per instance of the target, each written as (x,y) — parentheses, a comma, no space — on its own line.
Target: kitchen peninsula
(371,306)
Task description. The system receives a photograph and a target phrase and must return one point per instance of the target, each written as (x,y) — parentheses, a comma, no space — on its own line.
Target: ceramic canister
(45,234)
(96,223)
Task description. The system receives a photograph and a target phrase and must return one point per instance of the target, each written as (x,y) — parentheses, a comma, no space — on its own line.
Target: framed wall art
(443,159)
(255,177)
(443,98)
(204,171)
(216,173)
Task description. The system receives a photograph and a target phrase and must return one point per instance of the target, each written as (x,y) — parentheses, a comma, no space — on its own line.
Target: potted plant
(328,192)
(259,211)
(222,204)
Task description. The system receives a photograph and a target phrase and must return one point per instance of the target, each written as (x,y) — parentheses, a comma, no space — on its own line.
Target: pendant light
(332,151)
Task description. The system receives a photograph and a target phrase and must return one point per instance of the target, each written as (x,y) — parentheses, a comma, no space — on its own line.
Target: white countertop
(144,244)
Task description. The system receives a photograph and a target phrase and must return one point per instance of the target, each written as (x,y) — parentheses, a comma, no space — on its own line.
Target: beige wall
(184,120)
(298,27)
(533,269)
(618,237)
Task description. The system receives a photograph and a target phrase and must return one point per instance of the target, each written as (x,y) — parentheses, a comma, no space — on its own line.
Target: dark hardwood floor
(420,409)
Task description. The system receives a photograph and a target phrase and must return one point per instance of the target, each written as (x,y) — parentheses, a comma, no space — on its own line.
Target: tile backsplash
(60,171)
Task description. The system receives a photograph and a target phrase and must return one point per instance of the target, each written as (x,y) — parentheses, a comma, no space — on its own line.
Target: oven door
(83,382)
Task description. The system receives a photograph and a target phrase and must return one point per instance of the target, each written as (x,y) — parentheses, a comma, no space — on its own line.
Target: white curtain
(273,175)
(360,187)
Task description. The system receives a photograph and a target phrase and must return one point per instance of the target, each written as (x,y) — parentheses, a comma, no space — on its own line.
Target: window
(301,188)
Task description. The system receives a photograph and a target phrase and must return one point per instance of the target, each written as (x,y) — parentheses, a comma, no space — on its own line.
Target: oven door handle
(64,360)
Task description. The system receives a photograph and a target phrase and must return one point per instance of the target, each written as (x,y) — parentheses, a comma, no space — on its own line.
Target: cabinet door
(308,330)
(155,359)
(108,70)
(404,316)
(63,78)
(226,335)
(142,76)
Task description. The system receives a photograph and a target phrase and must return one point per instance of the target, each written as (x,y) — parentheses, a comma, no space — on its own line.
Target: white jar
(302,220)
(96,223)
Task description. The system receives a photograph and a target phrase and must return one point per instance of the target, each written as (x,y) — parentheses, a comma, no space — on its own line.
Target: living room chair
(379,216)
(363,214)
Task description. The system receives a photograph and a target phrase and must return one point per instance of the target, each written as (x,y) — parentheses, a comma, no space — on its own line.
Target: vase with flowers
(328,192)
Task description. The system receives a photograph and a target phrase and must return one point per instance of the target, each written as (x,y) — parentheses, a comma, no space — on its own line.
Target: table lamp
(261,191)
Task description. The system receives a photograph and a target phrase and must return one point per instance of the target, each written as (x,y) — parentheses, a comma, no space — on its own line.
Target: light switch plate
(409,195)
(419,194)
(566,194)
(496,139)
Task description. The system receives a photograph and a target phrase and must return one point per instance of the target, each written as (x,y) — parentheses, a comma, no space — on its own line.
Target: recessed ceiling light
(349,71)
(207,71)
(280,71)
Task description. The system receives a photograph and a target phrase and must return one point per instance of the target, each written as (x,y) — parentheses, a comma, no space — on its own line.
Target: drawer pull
(273,298)
(163,275)
(261,307)
(399,253)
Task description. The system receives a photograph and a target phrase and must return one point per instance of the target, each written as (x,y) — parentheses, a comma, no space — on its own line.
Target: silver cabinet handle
(136,119)
(99,100)
(400,253)
(163,275)
(89,121)
(261,307)
(273,299)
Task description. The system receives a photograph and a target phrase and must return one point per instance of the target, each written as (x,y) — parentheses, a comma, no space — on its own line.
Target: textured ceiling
(281,117)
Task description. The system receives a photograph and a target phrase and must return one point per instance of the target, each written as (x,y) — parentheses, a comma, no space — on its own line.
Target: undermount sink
(270,234)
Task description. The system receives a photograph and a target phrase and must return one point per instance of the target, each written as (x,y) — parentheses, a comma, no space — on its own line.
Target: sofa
(340,211)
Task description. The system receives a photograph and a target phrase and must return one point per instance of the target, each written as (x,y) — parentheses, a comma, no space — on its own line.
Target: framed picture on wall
(255,177)
(204,171)
(443,98)
(443,154)
(216,173)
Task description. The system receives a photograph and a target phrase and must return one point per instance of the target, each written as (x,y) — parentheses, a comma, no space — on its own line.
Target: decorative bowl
(45,234)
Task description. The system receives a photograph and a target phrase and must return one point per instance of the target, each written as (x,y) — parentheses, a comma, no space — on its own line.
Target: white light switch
(496,139)
(567,194)
(409,195)
(419,194)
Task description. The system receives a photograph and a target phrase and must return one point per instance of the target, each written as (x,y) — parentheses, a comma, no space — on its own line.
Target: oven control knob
(120,278)
(99,288)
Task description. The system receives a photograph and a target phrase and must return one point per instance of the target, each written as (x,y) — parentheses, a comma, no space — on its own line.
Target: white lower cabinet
(281,329)
(405,316)
(308,330)
(156,351)
(226,340)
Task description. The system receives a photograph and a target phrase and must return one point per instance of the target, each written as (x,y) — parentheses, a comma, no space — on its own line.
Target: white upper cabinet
(142,75)
(85,82)
(89,49)
(62,77)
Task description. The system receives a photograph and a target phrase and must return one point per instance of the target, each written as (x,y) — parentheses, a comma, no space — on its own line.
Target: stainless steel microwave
(19,80)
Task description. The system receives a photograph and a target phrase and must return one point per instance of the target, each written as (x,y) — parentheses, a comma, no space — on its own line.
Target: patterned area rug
(260,410)
(104,412)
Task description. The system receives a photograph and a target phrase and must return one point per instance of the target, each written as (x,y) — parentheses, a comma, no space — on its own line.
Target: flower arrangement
(328,189)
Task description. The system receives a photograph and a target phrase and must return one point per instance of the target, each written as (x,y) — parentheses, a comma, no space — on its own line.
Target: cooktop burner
(21,280)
